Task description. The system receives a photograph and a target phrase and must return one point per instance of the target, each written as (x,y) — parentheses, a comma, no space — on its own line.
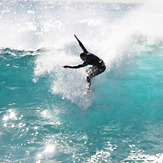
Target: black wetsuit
(98,65)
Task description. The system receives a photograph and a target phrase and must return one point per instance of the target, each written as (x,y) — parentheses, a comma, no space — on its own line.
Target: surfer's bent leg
(94,72)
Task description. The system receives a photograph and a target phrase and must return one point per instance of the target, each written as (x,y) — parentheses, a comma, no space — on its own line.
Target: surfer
(98,65)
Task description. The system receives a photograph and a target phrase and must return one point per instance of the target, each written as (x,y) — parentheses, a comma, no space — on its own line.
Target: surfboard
(85,101)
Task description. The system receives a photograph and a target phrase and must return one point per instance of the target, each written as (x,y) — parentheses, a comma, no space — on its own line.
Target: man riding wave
(98,65)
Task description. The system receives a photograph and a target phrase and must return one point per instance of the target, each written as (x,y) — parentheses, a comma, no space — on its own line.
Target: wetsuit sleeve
(79,66)
(81,45)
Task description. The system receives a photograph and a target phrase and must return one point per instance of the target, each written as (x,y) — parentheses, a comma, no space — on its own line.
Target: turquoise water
(40,114)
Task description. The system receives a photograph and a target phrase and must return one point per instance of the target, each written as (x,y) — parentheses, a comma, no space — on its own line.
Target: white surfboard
(85,101)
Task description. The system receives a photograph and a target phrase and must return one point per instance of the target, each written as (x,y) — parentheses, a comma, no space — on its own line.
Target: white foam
(116,42)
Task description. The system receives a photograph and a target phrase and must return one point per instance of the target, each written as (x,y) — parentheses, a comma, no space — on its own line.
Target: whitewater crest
(68,83)
(117,44)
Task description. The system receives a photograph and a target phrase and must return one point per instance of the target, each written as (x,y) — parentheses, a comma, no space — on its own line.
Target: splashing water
(41,120)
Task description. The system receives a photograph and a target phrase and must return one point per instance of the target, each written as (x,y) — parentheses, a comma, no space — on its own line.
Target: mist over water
(40,113)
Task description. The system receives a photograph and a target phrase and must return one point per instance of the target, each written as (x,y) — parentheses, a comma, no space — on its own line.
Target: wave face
(40,113)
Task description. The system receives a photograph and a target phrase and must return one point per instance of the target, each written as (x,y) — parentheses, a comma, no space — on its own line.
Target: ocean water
(41,116)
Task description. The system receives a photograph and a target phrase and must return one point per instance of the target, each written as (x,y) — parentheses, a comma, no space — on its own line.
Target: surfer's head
(83,56)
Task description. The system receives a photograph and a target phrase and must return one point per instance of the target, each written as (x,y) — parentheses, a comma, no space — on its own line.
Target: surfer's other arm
(81,45)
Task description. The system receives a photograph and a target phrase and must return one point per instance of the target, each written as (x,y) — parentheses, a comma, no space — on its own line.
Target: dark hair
(83,55)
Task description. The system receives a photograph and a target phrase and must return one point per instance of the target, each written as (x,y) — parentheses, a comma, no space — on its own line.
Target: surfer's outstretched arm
(78,66)
(81,45)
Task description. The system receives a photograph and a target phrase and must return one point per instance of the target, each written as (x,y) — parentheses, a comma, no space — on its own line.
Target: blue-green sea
(45,114)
